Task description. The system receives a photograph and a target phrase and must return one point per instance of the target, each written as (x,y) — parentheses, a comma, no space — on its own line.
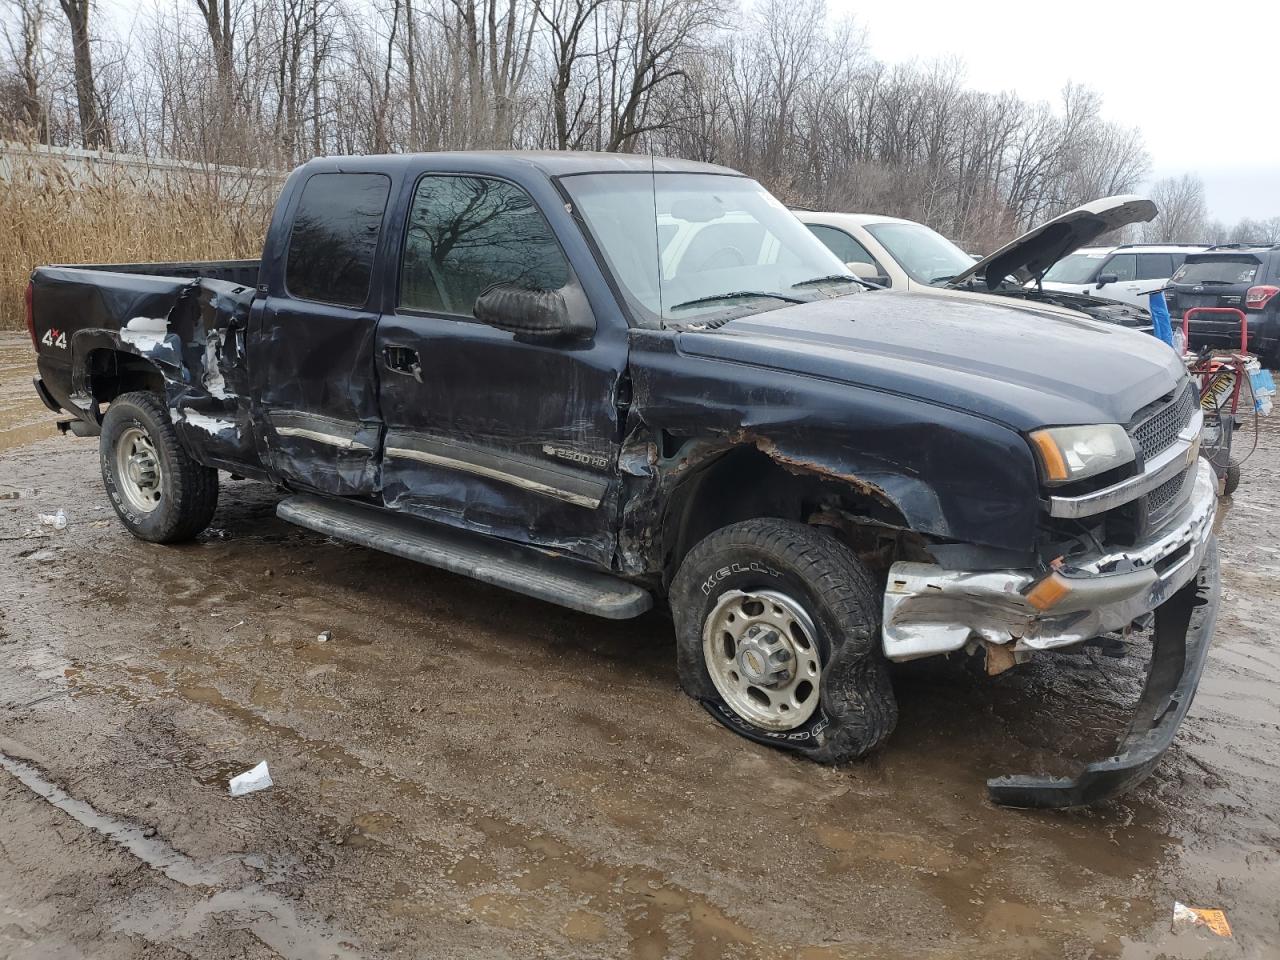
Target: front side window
(1077,268)
(467,234)
(687,246)
(926,255)
(1124,266)
(334,236)
(842,245)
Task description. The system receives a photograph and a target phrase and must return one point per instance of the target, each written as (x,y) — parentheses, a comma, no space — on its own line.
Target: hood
(1029,256)
(1023,368)
(1050,303)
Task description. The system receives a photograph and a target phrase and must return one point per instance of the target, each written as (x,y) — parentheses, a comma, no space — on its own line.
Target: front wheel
(159,492)
(777,626)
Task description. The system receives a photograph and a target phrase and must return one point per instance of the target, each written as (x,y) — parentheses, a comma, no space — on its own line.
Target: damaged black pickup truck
(611,381)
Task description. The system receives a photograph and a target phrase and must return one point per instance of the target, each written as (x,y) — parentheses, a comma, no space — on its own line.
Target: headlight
(1073,453)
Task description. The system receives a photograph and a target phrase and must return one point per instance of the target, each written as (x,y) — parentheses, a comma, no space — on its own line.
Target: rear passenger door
(1138,274)
(484,429)
(314,341)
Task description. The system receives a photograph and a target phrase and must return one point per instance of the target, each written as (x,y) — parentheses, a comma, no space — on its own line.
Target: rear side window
(334,236)
(467,234)
(1155,266)
(841,244)
(1123,265)
(1219,269)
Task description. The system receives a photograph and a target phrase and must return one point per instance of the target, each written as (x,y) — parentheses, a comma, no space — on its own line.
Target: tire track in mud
(277,921)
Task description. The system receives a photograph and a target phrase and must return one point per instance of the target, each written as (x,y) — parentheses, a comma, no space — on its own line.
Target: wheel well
(745,483)
(112,373)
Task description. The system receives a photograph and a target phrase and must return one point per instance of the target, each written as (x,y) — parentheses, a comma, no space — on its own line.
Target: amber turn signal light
(1055,465)
(1048,592)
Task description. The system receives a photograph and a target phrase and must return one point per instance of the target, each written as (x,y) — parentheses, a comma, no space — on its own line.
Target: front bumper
(930,610)
(1183,632)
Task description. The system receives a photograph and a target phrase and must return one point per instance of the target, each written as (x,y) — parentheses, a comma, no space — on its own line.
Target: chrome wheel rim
(761,650)
(138,473)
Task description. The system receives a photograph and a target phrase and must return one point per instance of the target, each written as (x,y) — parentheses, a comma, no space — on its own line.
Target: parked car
(904,255)
(1240,275)
(1128,272)
(613,381)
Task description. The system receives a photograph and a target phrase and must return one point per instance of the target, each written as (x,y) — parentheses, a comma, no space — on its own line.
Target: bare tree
(1183,216)
(565,22)
(25,109)
(93,134)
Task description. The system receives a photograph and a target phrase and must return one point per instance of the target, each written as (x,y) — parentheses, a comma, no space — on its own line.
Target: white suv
(1127,272)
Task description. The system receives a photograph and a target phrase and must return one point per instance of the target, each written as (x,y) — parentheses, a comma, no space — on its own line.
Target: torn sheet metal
(929,610)
(190,332)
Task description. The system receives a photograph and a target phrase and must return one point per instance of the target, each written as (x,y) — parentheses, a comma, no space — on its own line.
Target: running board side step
(518,568)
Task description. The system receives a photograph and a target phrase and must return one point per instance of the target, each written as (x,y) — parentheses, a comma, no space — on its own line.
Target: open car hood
(1031,254)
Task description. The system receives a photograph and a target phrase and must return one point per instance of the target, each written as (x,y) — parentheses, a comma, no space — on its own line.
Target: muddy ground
(460,772)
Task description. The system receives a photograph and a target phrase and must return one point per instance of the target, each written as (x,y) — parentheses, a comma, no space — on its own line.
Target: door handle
(403,360)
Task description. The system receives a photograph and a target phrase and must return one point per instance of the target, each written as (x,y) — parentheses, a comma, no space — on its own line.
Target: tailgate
(1180,302)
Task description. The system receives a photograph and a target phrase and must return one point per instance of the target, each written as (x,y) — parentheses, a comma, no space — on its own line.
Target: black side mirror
(1105,279)
(562,314)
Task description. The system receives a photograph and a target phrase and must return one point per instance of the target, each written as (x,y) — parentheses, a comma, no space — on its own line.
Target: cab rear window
(335,233)
(1226,269)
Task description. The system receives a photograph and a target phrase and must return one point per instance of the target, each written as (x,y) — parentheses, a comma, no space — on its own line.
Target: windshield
(685,246)
(1077,268)
(1218,270)
(926,255)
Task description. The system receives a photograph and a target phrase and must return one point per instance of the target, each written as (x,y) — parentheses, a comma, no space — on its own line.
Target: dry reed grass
(54,211)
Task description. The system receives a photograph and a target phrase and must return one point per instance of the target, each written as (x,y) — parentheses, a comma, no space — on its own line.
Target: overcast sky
(1218,117)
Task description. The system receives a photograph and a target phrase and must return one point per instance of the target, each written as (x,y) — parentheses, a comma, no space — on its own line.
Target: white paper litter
(56,520)
(259,778)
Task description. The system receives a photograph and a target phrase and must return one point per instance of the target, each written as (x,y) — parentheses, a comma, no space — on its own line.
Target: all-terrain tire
(187,490)
(1232,479)
(856,709)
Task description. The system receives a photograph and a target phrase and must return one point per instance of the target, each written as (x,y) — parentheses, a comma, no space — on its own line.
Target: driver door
(485,429)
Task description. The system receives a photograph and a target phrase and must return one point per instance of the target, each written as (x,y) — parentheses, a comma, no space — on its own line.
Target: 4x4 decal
(55,338)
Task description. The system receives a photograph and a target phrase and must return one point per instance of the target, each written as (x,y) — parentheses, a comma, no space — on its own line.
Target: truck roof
(554,163)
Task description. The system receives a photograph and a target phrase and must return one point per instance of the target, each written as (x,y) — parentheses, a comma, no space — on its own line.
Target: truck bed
(243,272)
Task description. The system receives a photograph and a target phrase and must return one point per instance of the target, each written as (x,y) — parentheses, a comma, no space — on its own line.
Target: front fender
(952,474)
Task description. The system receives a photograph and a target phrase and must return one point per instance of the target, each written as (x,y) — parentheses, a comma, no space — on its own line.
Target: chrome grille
(1161,429)
(1160,497)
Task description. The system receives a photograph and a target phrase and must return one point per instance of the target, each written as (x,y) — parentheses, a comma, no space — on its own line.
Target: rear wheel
(777,627)
(159,492)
